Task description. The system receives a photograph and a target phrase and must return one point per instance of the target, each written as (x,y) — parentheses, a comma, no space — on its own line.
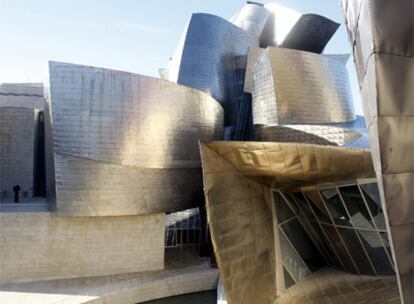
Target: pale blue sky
(131,35)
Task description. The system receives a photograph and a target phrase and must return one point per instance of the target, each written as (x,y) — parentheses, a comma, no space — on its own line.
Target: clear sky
(131,35)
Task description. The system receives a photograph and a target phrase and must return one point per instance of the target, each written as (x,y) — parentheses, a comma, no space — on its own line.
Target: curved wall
(297,87)
(252,18)
(125,143)
(205,59)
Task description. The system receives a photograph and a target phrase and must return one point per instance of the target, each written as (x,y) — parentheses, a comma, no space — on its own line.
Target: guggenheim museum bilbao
(248,143)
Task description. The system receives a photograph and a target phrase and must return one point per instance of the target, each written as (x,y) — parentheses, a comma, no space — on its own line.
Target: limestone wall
(40,245)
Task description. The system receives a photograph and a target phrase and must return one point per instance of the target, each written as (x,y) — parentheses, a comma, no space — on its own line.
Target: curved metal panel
(237,181)
(311,33)
(310,134)
(204,59)
(119,135)
(296,87)
(382,35)
(252,18)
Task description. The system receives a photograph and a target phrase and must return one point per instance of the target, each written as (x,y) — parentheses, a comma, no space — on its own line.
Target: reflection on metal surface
(252,18)
(382,35)
(310,33)
(126,143)
(296,87)
(242,215)
(311,134)
(204,59)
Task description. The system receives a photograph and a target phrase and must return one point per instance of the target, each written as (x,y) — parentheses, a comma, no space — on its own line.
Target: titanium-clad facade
(312,134)
(262,247)
(204,59)
(125,143)
(382,36)
(296,87)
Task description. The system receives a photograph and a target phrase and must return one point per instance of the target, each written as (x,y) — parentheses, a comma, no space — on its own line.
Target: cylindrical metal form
(126,143)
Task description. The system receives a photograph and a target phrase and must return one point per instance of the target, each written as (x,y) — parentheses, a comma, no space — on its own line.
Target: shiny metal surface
(126,143)
(296,87)
(204,59)
(252,56)
(311,134)
(311,33)
(238,178)
(252,18)
(382,35)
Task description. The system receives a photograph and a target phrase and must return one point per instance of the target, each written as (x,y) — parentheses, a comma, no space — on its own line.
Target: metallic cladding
(296,87)
(311,134)
(382,35)
(238,178)
(125,143)
(204,59)
(252,18)
(311,33)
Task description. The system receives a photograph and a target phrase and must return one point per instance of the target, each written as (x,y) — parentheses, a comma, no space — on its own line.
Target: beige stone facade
(40,245)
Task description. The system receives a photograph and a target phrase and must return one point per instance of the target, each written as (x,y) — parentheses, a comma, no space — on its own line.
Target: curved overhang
(126,143)
(238,177)
(279,165)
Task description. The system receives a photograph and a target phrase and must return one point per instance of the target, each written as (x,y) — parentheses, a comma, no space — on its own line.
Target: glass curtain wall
(348,224)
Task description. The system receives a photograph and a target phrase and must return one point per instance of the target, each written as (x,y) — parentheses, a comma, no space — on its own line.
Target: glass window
(318,207)
(327,246)
(289,282)
(358,255)
(387,244)
(372,197)
(302,205)
(335,207)
(291,260)
(304,245)
(283,211)
(376,252)
(356,207)
(340,249)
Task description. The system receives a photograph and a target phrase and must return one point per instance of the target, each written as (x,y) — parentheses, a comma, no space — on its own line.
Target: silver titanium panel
(252,56)
(204,59)
(119,135)
(252,18)
(382,36)
(310,134)
(305,88)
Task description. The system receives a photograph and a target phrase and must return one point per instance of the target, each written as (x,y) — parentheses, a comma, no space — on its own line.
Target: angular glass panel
(302,205)
(283,211)
(292,203)
(289,282)
(387,244)
(291,260)
(328,249)
(355,248)
(372,197)
(336,207)
(304,245)
(376,252)
(318,206)
(340,249)
(356,207)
